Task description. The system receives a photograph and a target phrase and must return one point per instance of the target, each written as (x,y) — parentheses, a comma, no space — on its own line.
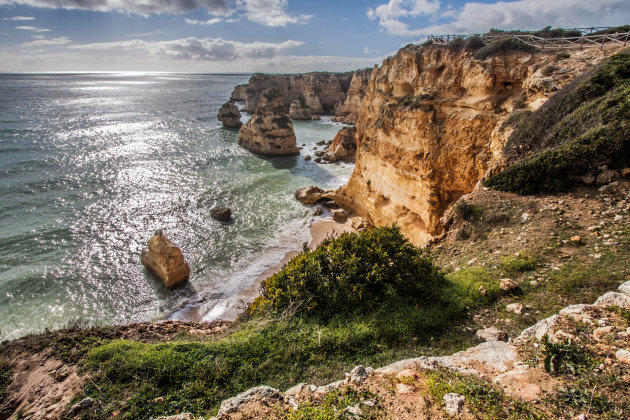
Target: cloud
(206,49)
(19,18)
(47,42)
(203,22)
(389,14)
(142,7)
(155,32)
(475,17)
(270,12)
(368,50)
(32,28)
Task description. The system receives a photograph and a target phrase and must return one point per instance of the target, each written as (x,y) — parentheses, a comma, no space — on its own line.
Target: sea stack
(230,115)
(299,110)
(270,131)
(164,259)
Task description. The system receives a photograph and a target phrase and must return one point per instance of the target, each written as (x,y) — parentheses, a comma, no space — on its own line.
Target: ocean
(92,164)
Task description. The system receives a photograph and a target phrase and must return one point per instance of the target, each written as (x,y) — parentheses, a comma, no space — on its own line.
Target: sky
(243,36)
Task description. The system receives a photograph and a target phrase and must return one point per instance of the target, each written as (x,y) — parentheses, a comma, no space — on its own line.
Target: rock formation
(343,146)
(229,115)
(164,259)
(348,110)
(299,110)
(270,131)
(221,213)
(321,91)
(433,123)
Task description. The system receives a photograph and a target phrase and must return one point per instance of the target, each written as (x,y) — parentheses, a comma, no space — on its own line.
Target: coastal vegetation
(583,127)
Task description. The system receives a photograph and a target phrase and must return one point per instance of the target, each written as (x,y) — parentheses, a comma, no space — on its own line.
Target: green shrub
(562,55)
(474,43)
(466,211)
(354,272)
(456,44)
(584,126)
(565,357)
(503,45)
(282,122)
(6,370)
(519,264)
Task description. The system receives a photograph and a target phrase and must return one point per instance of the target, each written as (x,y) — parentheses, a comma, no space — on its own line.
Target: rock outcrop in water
(230,115)
(299,110)
(164,259)
(270,131)
(344,146)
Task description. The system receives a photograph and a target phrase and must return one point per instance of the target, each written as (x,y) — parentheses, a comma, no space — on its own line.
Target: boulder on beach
(230,115)
(221,213)
(164,259)
(309,195)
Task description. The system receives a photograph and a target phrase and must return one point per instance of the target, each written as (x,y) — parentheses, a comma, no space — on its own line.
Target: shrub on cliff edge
(503,45)
(355,272)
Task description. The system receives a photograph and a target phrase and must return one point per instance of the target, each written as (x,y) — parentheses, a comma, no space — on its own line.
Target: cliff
(270,130)
(348,110)
(320,91)
(434,122)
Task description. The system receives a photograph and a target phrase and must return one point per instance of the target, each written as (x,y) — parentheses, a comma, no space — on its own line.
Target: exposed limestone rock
(339,215)
(508,284)
(516,308)
(299,110)
(431,126)
(229,115)
(183,416)
(613,299)
(239,93)
(348,110)
(358,375)
(344,146)
(454,404)
(525,382)
(492,334)
(321,91)
(270,131)
(623,356)
(309,195)
(164,259)
(625,288)
(579,312)
(84,404)
(540,329)
(258,394)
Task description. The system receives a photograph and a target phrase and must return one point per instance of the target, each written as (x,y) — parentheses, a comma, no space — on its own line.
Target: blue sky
(257,35)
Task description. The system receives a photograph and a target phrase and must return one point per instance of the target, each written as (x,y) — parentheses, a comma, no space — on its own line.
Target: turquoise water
(92,164)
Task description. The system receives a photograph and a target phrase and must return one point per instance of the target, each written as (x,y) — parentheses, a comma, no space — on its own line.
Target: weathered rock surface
(270,130)
(431,126)
(491,334)
(321,91)
(348,110)
(258,394)
(613,299)
(239,93)
(344,146)
(299,110)
(230,115)
(164,259)
(309,195)
(222,214)
(454,403)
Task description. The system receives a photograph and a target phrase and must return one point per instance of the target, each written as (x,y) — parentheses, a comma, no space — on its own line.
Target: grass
(501,46)
(333,405)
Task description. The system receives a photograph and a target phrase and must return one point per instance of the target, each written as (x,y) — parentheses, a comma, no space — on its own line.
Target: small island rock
(164,259)
(270,131)
(309,195)
(222,214)
(299,110)
(230,115)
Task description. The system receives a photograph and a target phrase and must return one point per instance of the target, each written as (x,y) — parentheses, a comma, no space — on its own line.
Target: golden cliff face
(431,126)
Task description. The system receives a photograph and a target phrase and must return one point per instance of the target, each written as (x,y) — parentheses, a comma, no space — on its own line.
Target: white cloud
(270,12)
(19,18)
(32,28)
(155,32)
(389,15)
(475,17)
(47,42)
(142,7)
(368,50)
(206,49)
(203,22)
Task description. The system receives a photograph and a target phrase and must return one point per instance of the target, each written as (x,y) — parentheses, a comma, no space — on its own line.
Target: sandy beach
(228,309)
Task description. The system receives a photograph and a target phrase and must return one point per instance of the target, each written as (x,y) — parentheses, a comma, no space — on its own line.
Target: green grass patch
(517,264)
(334,404)
(502,46)
(6,371)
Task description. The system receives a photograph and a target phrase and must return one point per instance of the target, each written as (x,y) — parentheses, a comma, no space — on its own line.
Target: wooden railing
(587,40)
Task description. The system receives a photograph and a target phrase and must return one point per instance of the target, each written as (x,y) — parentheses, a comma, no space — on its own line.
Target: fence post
(603,40)
(543,44)
(562,44)
(582,41)
(626,41)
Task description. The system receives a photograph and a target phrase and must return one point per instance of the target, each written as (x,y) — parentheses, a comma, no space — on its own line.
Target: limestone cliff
(320,91)
(434,121)
(229,115)
(299,110)
(270,130)
(348,110)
